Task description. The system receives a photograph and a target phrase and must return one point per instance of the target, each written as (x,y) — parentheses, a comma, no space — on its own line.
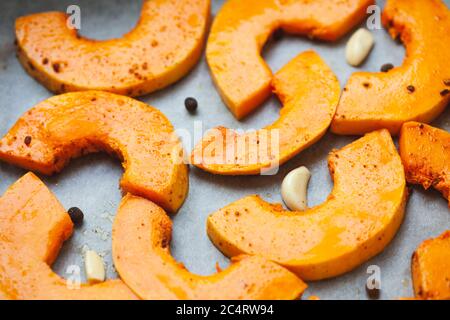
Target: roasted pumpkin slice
(419,90)
(46,137)
(431,268)
(141,238)
(3,295)
(425,153)
(242,27)
(309,91)
(165,44)
(33,227)
(358,220)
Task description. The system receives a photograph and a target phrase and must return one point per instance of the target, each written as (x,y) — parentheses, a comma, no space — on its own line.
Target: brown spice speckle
(27,140)
(56,67)
(411,88)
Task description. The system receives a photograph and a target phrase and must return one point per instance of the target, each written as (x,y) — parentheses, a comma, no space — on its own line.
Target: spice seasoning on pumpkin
(324,251)
(64,127)
(149,269)
(411,89)
(445,92)
(29,246)
(424,37)
(61,56)
(241,28)
(430,267)
(56,67)
(304,79)
(425,156)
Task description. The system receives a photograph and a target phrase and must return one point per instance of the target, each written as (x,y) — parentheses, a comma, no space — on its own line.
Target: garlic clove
(359,46)
(294,189)
(94,266)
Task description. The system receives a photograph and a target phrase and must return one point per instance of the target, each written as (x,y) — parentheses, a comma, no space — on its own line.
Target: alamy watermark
(73,273)
(74,17)
(374,280)
(374,20)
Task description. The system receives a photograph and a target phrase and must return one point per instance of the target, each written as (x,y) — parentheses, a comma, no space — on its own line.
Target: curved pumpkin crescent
(33,226)
(309,92)
(242,27)
(74,124)
(425,152)
(141,237)
(430,268)
(358,220)
(165,44)
(419,90)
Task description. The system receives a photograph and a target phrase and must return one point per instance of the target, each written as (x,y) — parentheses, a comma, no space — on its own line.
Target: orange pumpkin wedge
(425,153)
(46,137)
(165,44)
(431,268)
(419,90)
(33,227)
(241,28)
(141,238)
(309,92)
(4,296)
(359,219)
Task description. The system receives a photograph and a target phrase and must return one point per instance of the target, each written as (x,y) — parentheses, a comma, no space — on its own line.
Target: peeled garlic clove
(359,46)
(95,268)
(294,189)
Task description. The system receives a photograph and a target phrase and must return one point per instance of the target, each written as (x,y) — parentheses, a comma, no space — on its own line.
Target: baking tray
(91,182)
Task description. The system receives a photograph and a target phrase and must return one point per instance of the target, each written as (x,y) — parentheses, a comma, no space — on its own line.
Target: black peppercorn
(373,293)
(27,140)
(411,89)
(191,104)
(76,215)
(386,67)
